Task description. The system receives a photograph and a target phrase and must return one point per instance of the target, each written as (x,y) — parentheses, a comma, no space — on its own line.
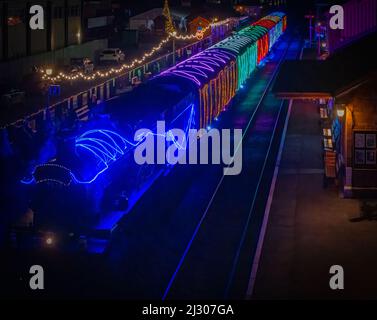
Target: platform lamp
(310,17)
(340,110)
(49,71)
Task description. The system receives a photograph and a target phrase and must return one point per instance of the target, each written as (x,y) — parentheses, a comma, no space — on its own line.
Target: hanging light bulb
(136,62)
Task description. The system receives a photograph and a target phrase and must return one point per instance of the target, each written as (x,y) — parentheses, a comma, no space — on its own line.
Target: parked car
(111,55)
(84,65)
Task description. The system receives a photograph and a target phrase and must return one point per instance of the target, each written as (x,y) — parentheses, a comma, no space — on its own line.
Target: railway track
(257,208)
(240,264)
(176,237)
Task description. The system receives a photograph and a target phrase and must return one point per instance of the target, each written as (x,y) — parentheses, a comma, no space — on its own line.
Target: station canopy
(345,69)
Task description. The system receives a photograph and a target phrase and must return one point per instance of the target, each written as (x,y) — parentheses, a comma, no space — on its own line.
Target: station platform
(311,228)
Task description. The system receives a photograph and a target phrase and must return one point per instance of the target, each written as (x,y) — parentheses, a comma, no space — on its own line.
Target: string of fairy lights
(46,73)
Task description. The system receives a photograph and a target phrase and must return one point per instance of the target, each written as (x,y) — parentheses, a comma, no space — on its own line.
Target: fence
(22,66)
(80,103)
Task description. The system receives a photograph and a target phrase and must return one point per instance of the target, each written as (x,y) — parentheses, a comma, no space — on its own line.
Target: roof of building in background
(343,70)
(148,15)
(181,12)
(249,3)
(207,12)
(364,90)
(139,6)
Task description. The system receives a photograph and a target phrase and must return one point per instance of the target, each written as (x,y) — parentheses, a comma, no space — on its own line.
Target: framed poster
(370,157)
(370,140)
(365,149)
(359,156)
(359,140)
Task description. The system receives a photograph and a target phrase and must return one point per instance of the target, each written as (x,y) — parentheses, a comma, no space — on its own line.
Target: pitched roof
(346,68)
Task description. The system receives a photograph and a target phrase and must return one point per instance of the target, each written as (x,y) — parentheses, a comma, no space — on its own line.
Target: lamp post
(310,17)
(173,42)
(49,72)
(318,33)
(340,112)
(78,35)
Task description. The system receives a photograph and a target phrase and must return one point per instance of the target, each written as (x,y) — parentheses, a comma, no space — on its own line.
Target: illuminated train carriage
(283,18)
(281,23)
(252,44)
(271,26)
(214,74)
(275,26)
(245,48)
(260,34)
(86,186)
(265,31)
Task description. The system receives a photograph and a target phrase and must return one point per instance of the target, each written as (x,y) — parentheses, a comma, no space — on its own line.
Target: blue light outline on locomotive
(107,153)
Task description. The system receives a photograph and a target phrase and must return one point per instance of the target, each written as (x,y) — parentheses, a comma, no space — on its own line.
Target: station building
(344,87)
